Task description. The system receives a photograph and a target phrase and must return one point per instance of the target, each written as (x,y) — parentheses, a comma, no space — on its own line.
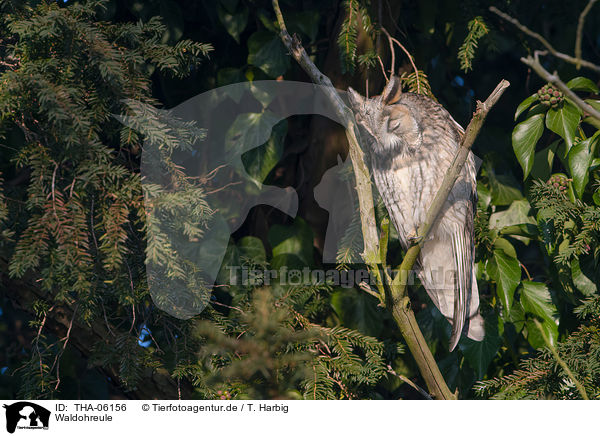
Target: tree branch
(579,35)
(361,172)
(544,42)
(535,65)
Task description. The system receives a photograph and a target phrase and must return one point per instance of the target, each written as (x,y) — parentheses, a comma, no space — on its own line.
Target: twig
(561,362)
(579,35)
(410,58)
(526,272)
(540,38)
(392,51)
(382,70)
(365,287)
(409,382)
(534,64)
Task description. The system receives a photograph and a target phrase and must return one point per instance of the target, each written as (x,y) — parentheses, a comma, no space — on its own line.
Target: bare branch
(410,58)
(544,42)
(579,35)
(534,64)
(361,172)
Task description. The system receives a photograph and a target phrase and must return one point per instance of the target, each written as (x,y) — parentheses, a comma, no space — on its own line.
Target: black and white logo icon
(26,415)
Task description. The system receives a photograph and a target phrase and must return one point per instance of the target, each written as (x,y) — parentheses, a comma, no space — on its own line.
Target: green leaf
(536,300)
(564,121)
(504,188)
(266,51)
(582,84)
(524,138)
(506,272)
(517,213)
(234,23)
(584,275)
(479,354)
(249,130)
(534,336)
(525,104)
(580,158)
(261,160)
(484,197)
(306,22)
(543,161)
(296,239)
(252,247)
(503,245)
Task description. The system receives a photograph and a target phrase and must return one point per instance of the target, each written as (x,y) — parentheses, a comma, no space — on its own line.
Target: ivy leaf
(252,247)
(234,23)
(536,300)
(504,187)
(357,310)
(524,138)
(582,84)
(261,160)
(306,22)
(582,273)
(506,272)
(266,51)
(517,213)
(525,104)
(580,158)
(249,130)
(534,336)
(296,239)
(543,161)
(564,121)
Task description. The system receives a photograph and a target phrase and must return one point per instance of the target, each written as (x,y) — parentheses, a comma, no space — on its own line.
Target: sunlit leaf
(524,138)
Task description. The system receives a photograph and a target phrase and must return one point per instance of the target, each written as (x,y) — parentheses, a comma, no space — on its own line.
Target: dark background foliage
(76,317)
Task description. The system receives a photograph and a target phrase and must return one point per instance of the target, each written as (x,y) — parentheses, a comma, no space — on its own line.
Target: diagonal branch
(545,43)
(535,65)
(361,172)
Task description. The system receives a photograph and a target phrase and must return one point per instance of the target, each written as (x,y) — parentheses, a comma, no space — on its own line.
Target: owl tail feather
(452,287)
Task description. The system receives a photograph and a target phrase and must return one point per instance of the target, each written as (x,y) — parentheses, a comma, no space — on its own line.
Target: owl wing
(460,304)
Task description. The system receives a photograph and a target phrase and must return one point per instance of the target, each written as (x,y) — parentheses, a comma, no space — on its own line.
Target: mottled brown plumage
(412,140)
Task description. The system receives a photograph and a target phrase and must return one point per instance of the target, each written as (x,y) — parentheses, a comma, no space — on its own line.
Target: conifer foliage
(80,211)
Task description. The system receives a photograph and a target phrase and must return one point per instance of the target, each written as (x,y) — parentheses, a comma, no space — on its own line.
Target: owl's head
(388,124)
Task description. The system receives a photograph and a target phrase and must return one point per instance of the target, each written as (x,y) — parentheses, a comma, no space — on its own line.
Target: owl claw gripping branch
(412,140)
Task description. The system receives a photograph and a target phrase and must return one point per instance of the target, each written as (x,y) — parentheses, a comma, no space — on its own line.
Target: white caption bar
(249,417)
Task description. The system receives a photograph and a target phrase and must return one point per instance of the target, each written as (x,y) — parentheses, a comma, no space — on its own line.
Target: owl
(412,141)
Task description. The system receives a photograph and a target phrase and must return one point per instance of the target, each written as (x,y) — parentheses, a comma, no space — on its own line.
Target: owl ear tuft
(392,91)
(356,100)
